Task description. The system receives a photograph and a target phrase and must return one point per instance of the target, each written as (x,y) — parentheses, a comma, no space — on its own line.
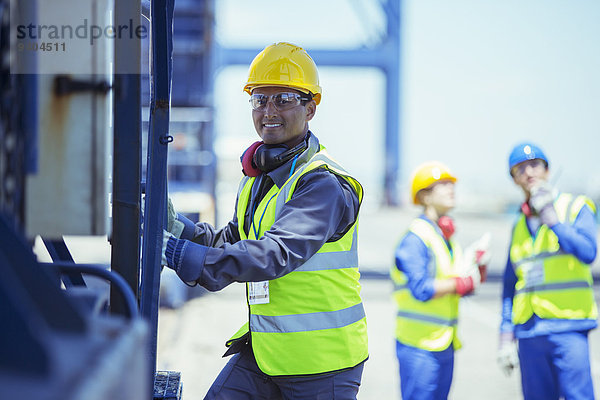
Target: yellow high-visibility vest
(550,282)
(314,321)
(429,325)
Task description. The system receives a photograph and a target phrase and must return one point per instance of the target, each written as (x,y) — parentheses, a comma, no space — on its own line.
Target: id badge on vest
(258,292)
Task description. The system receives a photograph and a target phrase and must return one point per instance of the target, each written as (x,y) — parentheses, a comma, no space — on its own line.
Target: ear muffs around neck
(261,157)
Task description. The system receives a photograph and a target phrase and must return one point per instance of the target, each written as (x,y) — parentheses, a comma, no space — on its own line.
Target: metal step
(167,385)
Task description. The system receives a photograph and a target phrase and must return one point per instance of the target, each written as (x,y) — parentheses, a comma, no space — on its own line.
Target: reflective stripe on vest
(314,321)
(307,322)
(554,286)
(550,282)
(428,325)
(334,259)
(428,318)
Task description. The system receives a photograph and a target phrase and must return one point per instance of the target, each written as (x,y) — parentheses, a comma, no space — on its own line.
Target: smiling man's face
(286,126)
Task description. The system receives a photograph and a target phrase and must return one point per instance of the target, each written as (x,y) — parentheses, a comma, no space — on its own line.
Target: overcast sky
(477,77)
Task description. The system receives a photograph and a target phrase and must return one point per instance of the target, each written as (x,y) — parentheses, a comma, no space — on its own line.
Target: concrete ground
(191,338)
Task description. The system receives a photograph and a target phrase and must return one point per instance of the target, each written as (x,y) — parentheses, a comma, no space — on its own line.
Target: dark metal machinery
(27,347)
(56,343)
(60,344)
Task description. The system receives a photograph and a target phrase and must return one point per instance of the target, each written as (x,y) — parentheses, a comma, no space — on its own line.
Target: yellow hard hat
(427,174)
(284,64)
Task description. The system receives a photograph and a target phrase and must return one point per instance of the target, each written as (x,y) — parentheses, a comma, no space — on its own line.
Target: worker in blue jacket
(548,304)
(430,275)
(292,241)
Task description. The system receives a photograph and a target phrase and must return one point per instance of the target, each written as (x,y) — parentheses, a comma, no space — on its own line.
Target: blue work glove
(174,226)
(542,203)
(184,257)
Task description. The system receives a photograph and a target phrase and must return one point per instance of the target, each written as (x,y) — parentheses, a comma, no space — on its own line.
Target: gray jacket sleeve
(323,207)
(205,234)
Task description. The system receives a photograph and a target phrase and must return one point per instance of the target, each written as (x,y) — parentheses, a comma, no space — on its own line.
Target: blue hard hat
(523,152)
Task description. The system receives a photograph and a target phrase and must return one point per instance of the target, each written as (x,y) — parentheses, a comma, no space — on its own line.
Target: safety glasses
(520,168)
(281,101)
